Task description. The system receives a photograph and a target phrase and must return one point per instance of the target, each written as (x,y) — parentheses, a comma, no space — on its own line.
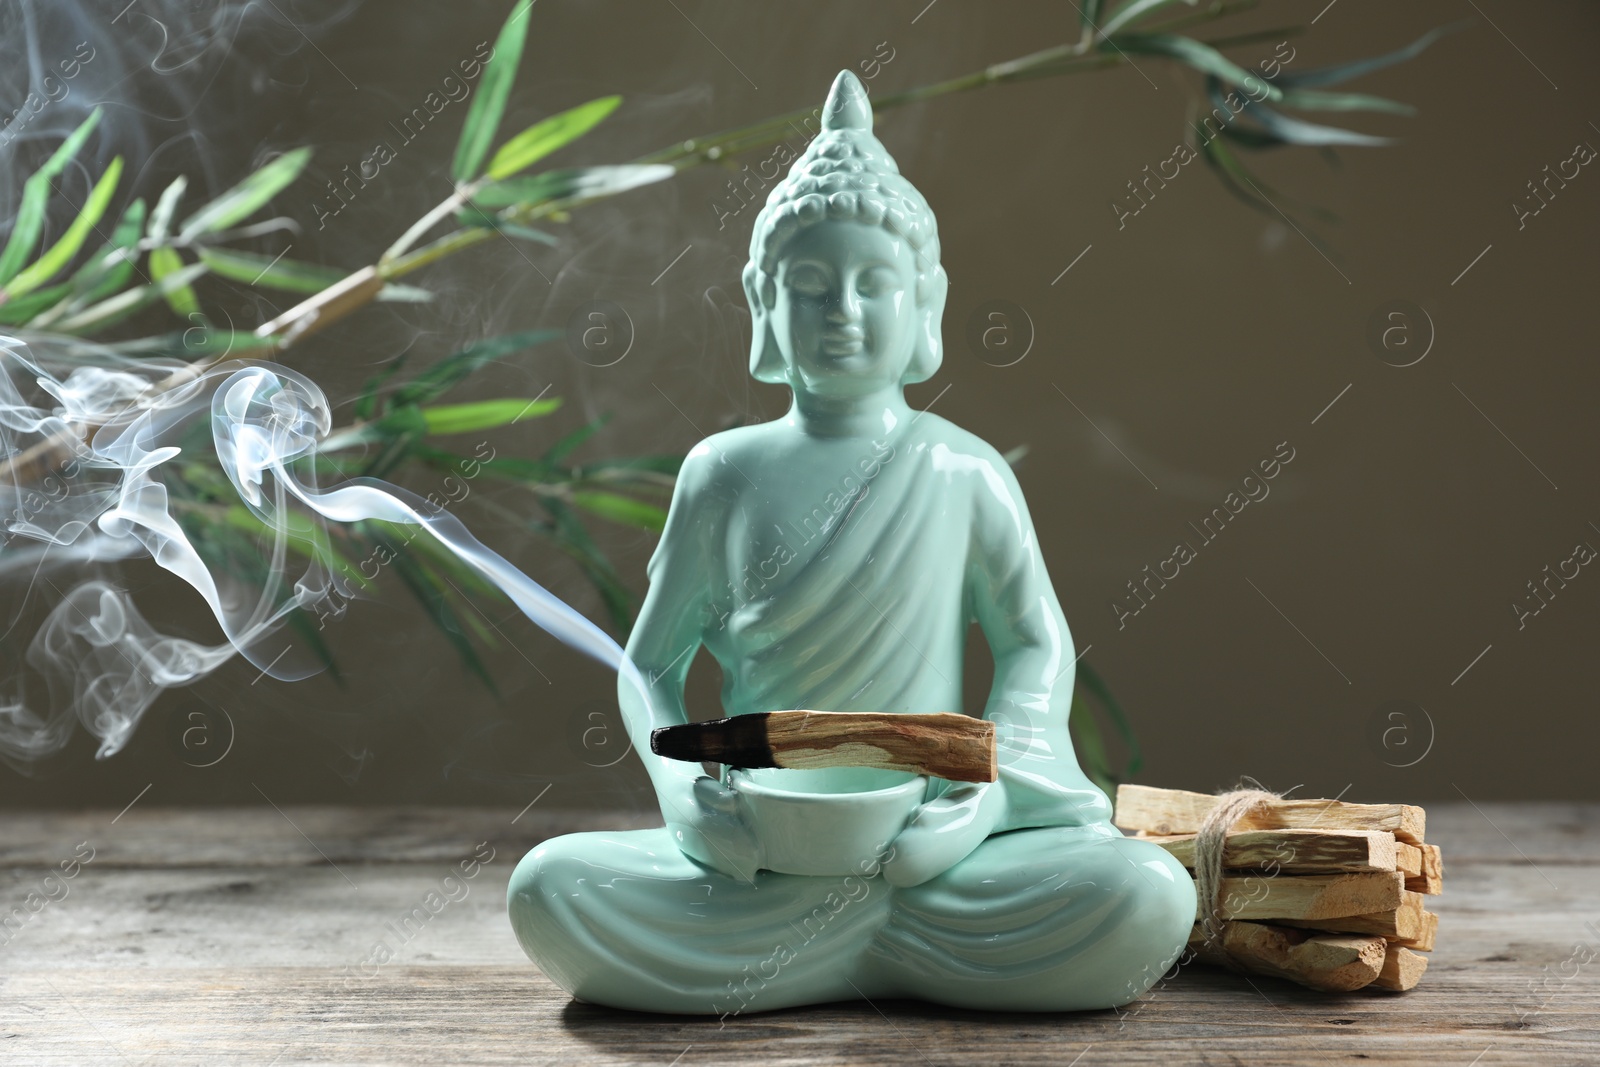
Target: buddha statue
(833,560)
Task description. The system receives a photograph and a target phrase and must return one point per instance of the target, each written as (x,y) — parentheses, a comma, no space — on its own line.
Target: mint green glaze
(833,560)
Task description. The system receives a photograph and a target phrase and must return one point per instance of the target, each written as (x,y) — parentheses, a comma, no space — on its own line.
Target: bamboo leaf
(292,275)
(426,587)
(1090,679)
(453,369)
(483,117)
(161,217)
(570,184)
(622,509)
(1283,128)
(114,310)
(570,443)
(1088,745)
(1132,11)
(485,414)
(60,254)
(569,534)
(542,138)
(29,223)
(111,269)
(248,197)
(1315,100)
(1343,72)
(1201,57)
(22,310)
(269,272)
(485,220)
(367,404)
(165,262)
(303,536)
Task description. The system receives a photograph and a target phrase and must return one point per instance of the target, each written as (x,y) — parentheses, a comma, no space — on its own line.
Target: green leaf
(60,254)
(161,217)
(427,588)
(291,275)
(1345,71)
(1092,680)
(367,404)
(626,510)
(451,370)
(570,184)
(1131,11)
(484,220)
(165,262)
(483,117)
(1201,57)
(303,536)
(484,414)
(1315,100)
(1287,130)
(35,196)
(269,272)
(1088,745)
(1089,13)
(22,310)
(248,197)
(569,533)
(111,269)
(570,443)
(114,310)
(542,138)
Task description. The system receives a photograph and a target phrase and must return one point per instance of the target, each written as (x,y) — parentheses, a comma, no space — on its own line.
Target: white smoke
(107,497)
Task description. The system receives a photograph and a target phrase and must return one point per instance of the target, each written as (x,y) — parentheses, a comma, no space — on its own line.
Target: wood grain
(1300,851)
(222,937)
(1334,963)
(1310,897)
(1177,811)
(960,748)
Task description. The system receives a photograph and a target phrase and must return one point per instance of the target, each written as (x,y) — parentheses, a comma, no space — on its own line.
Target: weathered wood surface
(226,937)
(1178,811)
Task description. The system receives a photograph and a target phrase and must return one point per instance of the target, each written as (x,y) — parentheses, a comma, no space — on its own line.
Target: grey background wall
(1193,339)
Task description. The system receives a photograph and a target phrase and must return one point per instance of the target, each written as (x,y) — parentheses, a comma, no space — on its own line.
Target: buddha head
(845,288)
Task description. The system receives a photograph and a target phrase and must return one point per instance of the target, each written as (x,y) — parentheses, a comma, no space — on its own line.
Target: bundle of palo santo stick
(1323,893)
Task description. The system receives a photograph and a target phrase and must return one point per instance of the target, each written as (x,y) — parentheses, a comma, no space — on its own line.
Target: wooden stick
(1310,898)
(1177,811)
(1301,851)
(1335,963)
(1430,879)
(1402,969)
(959,748)
(1407,858)
(1402,923)
(1423,942)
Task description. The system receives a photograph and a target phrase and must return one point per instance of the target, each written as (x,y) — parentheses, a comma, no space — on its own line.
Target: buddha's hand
(943,832)
(711,827)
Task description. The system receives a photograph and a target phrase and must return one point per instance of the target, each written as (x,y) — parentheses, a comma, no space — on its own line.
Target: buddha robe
(852,589)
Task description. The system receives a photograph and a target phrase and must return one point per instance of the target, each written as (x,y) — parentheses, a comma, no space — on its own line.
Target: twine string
(1208,846)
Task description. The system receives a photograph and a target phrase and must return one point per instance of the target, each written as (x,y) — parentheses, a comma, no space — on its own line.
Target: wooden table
(247,936)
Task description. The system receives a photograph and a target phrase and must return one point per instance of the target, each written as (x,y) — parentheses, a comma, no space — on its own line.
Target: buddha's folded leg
(1055,919)
(626,920)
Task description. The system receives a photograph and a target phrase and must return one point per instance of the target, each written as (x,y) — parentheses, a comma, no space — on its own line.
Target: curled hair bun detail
(845,174)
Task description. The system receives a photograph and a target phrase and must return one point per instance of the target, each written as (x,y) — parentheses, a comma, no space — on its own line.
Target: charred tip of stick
(740,741)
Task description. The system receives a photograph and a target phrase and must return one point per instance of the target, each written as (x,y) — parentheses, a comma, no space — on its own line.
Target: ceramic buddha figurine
(832,560)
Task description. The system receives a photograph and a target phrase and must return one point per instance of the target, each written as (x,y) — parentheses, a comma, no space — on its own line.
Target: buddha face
(845,315)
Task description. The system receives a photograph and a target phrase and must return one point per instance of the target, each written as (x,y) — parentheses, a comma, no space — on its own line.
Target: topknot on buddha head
(846,175)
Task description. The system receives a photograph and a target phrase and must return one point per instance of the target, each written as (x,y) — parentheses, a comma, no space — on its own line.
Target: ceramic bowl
(835,821)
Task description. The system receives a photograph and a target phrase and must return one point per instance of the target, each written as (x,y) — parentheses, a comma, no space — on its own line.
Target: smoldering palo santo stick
(958,748)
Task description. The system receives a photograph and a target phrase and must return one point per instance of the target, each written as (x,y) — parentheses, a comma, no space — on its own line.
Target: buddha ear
(766,359)
(927,350)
